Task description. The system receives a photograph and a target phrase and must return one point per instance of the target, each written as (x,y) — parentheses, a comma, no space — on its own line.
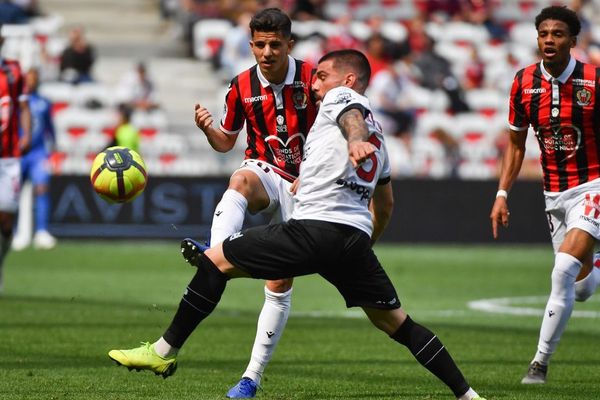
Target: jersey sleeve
(517,118)
(386,170)
(341,99)
(233,119)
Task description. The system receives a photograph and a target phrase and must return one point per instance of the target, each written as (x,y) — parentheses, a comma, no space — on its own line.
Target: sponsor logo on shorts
(388,302)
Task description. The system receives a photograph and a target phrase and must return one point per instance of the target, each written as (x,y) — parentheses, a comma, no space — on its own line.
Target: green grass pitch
(62,310)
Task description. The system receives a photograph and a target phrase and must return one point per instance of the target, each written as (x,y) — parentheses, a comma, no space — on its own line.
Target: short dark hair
(560,13)
(354,60)
(271,20)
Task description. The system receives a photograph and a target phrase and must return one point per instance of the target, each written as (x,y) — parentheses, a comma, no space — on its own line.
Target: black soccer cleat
(191,251)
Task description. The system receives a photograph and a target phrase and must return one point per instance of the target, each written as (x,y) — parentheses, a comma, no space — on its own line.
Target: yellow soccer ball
(118,174)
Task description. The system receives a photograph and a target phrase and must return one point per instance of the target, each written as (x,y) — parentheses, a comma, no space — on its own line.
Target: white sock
(586,287)
(228,217)
(471,394)
(559,306)
(164,349)
(271,323)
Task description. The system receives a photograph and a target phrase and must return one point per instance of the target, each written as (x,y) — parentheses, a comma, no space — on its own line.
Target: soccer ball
(118,174)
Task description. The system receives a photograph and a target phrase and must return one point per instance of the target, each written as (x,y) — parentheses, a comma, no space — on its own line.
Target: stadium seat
(462,33)
(208,37)
(93,95)
(61,94)
(485,101)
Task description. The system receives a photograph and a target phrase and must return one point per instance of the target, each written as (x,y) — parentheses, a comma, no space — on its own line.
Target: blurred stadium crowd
(442,71)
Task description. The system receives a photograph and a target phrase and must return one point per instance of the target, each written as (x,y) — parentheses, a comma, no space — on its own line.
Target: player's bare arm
(381,207)
(511,165)
(354,128)
(219,140)
(25,116)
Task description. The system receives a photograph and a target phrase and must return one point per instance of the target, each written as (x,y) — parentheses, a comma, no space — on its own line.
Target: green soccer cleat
(144,357)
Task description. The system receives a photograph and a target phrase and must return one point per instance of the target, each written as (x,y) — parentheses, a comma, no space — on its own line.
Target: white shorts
(10,182)
(578,207)
(278,189)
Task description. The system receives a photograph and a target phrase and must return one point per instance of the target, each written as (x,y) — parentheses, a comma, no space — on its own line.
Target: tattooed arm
(354,128)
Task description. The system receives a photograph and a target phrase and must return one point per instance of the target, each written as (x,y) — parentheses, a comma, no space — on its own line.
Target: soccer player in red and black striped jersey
(559,98)
(274,102)
(14,113)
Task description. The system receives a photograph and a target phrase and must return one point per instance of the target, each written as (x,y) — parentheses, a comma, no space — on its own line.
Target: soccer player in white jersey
(343,202)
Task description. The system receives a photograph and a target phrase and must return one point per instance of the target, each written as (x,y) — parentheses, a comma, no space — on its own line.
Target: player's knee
(240,183)
(279,286)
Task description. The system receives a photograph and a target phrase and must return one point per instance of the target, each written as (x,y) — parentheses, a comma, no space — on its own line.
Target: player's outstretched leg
(191,250)
(145,358)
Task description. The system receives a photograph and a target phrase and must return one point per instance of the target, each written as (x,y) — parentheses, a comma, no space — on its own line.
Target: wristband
(502,193)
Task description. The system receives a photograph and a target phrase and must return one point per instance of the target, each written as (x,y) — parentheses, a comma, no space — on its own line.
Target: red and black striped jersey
(12,92)
(565,116)
(277,117)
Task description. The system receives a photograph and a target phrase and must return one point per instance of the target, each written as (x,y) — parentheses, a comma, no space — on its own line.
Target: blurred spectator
(35,168)
(236,55)
(77,59)
(11,13)
(29,7)
(387,94)
(126,134)
(343,39)
(306,10)
(136,89)
(474,71)
(500,74)
(375,51)
(435,72)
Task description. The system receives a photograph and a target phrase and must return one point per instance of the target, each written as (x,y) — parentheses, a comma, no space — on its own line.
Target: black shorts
(339,253)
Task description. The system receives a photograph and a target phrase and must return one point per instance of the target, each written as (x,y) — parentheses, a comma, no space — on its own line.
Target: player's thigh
(360,278)
(272,252)
(264,193)
(556,217)
(582,220)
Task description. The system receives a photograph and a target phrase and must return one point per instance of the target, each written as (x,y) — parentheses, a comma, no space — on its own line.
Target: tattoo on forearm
(353,126)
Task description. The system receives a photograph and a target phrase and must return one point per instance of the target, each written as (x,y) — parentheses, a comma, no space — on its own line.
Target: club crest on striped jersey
(584,96)
(300,100)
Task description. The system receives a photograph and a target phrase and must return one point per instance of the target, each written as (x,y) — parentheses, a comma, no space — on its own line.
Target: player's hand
(295,185)
(202,117)
(499,215)
(359,152)
(25,144)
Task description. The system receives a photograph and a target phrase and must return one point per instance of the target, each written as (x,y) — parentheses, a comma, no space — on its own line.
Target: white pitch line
(505,305)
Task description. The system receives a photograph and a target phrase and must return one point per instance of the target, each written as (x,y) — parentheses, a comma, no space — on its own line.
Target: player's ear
(573,41)
(291,44)
(350,79)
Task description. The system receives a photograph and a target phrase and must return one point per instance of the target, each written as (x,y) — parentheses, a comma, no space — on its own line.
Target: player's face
(327,78)
(271,51)
(555,42)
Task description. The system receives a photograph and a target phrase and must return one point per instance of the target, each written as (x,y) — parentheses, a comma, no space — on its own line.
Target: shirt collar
(289,78)
(565,74)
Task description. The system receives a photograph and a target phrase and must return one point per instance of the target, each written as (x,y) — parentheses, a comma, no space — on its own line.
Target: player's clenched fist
(203,117)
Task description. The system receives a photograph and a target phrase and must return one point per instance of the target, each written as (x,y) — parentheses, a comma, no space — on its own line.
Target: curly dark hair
(560,13)
(271,20)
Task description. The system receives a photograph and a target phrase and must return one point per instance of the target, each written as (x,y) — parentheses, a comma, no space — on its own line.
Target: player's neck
(276,78)
(556,69)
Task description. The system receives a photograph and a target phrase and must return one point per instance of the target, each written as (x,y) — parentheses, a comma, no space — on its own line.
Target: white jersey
(330,188)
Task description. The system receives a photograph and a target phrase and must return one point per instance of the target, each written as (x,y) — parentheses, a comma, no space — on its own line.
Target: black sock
(199,300)
(431,353)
